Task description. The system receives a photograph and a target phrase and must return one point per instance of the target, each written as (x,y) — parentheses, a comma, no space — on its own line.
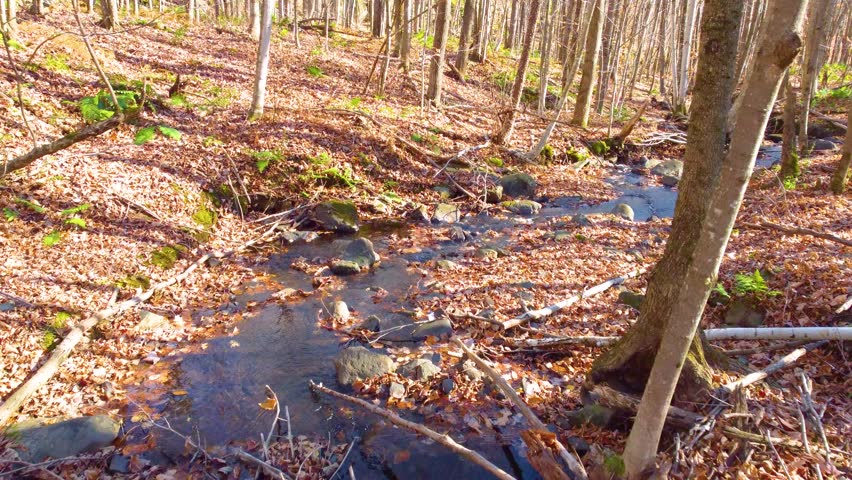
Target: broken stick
(574,465)
(443,439)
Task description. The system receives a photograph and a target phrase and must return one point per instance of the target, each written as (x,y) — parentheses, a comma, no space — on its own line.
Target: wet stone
(340,310)
(359,363)
(624,211)
(63,439)
(447,385)
(337,216)
(419,369)
(345,267)
(446,213)
(518,185)
(522,207)
(397,390)
(119,464)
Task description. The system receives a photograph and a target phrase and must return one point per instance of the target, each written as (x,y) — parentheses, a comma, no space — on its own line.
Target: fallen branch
(64,349)
(839,125)
(772,333)
(591,341)
(269,469)
(575,467)
(443,439)
(630,125)
(764,225)
(547,311)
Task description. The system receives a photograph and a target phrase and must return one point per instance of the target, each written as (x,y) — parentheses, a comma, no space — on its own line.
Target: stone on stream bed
(401,328)
(624,211)
(63,439)
(669,168)
(522,207)
(494,194)
(595,414)
(340,310)
(337,216)
(518,185)
(358,255)
(822,145)
(419,369)
(446,213)
(581,220)
(358,363)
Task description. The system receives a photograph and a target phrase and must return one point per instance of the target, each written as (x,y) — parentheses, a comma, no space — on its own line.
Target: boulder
(821,145)
(670,180)
(518,185)
(446,213)
(420,369)
(419,214)
(359,363)
(401,328)
(522,207)
(67,438)
(630,298)
(337,216)
(340,310)
(345,267)
(494,194)
(624,211)
(596,415)
(670,168)
(741,314)
(362,252)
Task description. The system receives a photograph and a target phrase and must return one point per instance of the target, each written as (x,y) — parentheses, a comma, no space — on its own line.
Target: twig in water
(343,460)
(269,469)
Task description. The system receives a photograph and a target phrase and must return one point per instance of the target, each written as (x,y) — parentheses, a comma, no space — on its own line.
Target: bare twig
(778,457)
(18,82)
(787,230)
(443,439)
(345,456)
(269,469)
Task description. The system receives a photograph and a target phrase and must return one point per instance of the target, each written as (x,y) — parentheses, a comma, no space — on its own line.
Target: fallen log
(787,230)
(547,311)
(575,467)
(772,333)
(427,432)
(14,401)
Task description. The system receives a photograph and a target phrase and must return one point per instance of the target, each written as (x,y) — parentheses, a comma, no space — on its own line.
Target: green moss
(614,464)
(205,217)
(575,155)
(547,153)
(495,162)
(599,148)
(166,257)
(134,282)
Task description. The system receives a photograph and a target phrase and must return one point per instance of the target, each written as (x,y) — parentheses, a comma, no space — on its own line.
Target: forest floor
(150,210)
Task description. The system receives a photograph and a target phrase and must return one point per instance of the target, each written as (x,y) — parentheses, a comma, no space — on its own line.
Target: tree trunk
(509,39)
(256,110)
(789,156)
(590,65)
(816,32)
(838,180)
(436,70)
(254,28)
(627,363)
(777,50)
(546,37)
(508,123)
(376,17)
(110,14)
(464,38)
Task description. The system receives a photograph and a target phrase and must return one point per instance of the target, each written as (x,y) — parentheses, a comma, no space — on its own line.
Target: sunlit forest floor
(149,210)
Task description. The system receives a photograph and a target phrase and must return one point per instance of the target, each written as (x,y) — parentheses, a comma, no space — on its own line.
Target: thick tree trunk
(777,50)
(262,71)
(464,38)
(254,26)
(789,155)
(626,364)
(436,70)
(110,14)
(509,39)
(816,33)
(377,17)
(508,122)
(590,65)
(838,180)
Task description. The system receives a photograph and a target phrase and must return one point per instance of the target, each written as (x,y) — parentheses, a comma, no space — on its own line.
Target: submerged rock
(519,185)
(299,236)
(669,168)
(522,207)
(345,267)
(446,213)
(359,363)
(67,438)
(596,415)
(337,216)
(362,252)
(624,211)
(401,328)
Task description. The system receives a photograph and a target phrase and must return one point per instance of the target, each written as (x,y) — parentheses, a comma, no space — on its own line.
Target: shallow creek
(283,346)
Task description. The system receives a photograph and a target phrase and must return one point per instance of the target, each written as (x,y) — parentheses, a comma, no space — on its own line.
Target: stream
(283,346)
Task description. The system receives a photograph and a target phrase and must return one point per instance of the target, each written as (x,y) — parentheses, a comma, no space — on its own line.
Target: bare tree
(817,16)
(789,156)
(838,180)
(590,65)
(110,14)
(464,36)
(257,101)
(777,50)
(255,20)
(507,123)
(436,69)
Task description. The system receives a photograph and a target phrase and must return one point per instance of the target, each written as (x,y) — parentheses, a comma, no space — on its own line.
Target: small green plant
(315,71)
(504,79)
(752,285)
(719,290)
(100,107)
(263,158)
(614,464)
(134,282)
(56,63)
(547,153)
(10,214)
(323,158)
(353,103)
(165,257)
(35,207)
(212,141)
(178,100)
(390,184)
(790,182)
(179,34)
(144,135)
(205,217)
(416,137)
(54,330)
(334,177)
(13,44)
(495,162)
(575,155)
(316,51)
(51,238)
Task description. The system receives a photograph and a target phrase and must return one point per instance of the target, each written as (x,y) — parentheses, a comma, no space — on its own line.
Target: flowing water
(282,346)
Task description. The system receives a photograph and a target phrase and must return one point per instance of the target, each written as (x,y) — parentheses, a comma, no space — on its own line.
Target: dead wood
(787,230)
(443,439)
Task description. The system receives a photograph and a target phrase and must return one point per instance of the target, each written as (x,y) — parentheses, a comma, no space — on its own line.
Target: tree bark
(626,365)
(464,38)
(789,155)
(590,65)
(436,70)
(262,70)
(254,25)
(777,50)
(838,180)
(508,123)
(110,14)
(816,32)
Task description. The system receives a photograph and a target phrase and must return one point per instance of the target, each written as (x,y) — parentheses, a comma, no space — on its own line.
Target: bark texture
(590,65)
(262,71)
(841,175)
(627,364)
(436,70)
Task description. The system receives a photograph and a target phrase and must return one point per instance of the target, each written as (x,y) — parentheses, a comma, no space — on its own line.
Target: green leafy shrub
(100,107)
(263,158)
(10,214)
(599,148)
(752,285)
(51,238)
(314,71)
(144,135)
(323,158)
(495,162)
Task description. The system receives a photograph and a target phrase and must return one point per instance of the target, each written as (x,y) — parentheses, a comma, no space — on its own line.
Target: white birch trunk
(256,110)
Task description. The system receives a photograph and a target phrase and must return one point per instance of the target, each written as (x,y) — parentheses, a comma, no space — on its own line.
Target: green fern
(752,285)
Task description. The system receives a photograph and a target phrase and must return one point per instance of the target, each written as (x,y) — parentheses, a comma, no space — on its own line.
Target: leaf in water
(51,239)
(401,456)
(179,393)
(144,135)
(269,404)
(77,222)
(170,132)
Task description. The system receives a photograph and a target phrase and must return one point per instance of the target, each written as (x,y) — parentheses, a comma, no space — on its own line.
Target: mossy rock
(519,185)
(522,207)
(337,216)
